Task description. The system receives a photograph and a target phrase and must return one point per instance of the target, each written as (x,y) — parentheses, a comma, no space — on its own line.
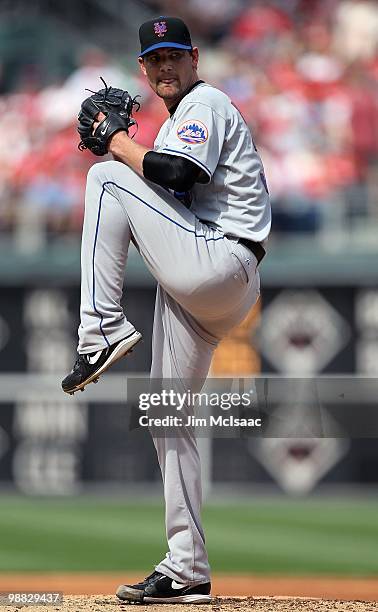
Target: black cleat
(158,588)
(88,367)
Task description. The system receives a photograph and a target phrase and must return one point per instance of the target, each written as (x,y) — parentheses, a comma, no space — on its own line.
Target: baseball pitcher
(197,209)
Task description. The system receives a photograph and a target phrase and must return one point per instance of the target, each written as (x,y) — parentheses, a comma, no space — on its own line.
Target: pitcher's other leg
(105,243)
(181,355)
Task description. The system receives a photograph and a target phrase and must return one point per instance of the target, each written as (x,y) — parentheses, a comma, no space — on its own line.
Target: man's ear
(141,65)
(195,55)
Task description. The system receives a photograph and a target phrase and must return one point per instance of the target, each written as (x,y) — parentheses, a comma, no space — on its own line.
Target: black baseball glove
(117,106)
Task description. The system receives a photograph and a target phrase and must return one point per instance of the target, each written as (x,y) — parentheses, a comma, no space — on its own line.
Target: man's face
(170,71)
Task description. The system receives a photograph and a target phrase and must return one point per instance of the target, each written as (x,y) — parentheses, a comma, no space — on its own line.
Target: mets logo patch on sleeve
(193,132)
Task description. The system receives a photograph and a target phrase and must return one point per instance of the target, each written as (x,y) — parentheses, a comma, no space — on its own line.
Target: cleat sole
(123,348)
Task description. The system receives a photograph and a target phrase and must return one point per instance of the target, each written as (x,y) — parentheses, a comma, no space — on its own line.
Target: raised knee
(104,170)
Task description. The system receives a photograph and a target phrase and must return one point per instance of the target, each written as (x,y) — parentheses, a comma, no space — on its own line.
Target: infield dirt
(305,587)
(106,603)
(231,593)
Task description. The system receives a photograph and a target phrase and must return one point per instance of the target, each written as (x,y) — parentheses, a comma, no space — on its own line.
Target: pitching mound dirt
(292,587)
(219,604)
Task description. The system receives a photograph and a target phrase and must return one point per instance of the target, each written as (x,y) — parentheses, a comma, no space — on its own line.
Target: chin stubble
(167,96)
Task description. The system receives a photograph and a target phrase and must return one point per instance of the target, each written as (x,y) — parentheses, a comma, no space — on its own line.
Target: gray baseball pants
(207,283)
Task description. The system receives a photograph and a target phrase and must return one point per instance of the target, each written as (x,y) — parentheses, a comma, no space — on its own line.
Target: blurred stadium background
(75,479)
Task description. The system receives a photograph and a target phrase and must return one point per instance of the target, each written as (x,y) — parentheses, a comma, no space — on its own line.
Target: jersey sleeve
(197,134)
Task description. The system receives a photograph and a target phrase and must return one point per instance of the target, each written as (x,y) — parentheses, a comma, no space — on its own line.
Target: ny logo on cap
(160,28)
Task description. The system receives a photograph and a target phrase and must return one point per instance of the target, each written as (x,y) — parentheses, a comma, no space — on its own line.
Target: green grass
(264,536)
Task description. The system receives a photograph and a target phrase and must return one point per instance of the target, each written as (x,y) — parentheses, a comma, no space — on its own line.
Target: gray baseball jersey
(207,281)
(207,129)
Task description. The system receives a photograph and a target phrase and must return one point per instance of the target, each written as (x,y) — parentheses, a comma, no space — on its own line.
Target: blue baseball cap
(164,32)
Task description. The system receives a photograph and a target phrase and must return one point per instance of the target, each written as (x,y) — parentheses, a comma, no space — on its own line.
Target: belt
(256,248)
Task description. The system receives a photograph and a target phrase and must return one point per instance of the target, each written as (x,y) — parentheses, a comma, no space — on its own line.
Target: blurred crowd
(304,74)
